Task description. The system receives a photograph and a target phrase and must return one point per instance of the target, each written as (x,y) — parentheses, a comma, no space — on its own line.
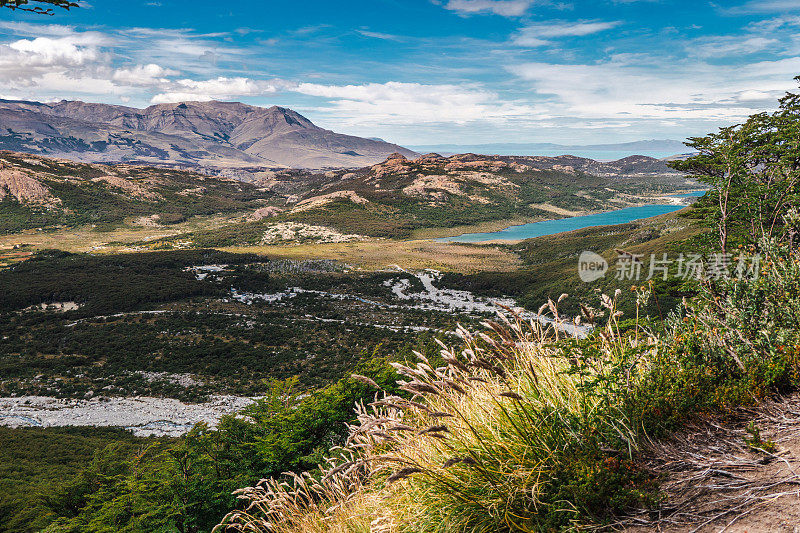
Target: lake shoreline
(515,233)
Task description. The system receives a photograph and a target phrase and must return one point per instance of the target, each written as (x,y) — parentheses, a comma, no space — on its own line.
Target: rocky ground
(142,415)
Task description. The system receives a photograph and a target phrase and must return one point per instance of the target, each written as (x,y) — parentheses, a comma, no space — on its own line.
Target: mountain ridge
(657,148)
(214,134)
(388,199)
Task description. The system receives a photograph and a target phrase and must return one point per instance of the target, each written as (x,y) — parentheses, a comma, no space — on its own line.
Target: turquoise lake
(551,227)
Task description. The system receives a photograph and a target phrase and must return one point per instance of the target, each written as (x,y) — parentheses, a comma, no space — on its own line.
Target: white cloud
(63,84)
(179,49)
(175,96)
(620,89)
(538,34)
(50,61)
(505,8)
(214,89)
(22,29)
(765,6)
(413,103)
(67,62)
(62,62)
(143,75)
(773,24)
(379,35)
(64,51)
(566,29)
(730,46)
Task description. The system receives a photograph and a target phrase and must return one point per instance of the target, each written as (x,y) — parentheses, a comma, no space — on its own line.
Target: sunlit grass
(521,428)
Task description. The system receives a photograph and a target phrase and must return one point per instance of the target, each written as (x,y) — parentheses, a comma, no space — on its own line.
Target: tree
(718,164)
(25,5)
(186,485)
(753,170)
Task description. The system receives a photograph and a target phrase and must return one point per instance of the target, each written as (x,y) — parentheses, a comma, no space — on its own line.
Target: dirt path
(716,482)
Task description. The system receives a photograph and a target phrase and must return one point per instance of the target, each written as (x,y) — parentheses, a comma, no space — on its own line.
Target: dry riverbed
(144,416)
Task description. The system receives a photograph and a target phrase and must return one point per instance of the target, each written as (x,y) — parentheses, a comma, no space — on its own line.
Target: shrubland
(140,318)
(516,427)
(521,428)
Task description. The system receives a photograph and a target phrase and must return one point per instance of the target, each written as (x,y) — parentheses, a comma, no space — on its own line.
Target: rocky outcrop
(323,199)
(264,212)
(132,188)
(24,188)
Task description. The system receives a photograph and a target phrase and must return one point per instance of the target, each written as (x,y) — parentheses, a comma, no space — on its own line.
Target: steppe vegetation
(520,429)
(516,426)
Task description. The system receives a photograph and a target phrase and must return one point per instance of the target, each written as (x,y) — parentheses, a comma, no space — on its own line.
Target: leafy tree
(753,170)
(25,5)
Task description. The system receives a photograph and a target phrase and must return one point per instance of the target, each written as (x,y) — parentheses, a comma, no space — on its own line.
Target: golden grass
(470,449)
(411,255)
(88,239)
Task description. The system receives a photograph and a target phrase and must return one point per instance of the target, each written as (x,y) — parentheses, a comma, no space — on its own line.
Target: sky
(424,71)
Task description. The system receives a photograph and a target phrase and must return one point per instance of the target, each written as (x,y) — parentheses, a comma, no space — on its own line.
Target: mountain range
(190,134)
(658,148)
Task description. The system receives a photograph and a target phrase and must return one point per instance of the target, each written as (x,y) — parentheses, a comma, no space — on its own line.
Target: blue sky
(425,71)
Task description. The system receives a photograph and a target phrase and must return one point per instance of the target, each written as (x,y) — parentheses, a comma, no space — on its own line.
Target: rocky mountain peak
(210,134)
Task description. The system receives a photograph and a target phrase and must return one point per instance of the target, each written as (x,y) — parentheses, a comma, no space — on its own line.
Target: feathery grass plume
(496,465)
(403,473)
(491,468)
(365,380)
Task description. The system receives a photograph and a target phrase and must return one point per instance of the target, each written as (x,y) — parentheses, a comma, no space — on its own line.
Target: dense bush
(108,283)
(33,461)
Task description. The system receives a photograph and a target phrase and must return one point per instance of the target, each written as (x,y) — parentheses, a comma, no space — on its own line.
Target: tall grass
(521,429)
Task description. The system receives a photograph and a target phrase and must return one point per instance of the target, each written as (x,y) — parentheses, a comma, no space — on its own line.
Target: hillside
(400,195)
(389,199)
(40,192)
(206,134)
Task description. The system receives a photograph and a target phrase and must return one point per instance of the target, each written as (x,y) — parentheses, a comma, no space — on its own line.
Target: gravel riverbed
(144,416)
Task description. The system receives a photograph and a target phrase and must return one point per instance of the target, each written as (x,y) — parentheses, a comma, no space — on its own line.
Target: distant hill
(388,199)
(40,192)
(400,195)
(653,148)
(205,134)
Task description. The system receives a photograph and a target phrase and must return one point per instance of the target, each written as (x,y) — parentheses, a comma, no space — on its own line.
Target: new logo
(591,266)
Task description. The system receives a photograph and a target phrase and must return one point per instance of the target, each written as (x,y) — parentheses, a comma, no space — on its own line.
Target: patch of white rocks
(144,416)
